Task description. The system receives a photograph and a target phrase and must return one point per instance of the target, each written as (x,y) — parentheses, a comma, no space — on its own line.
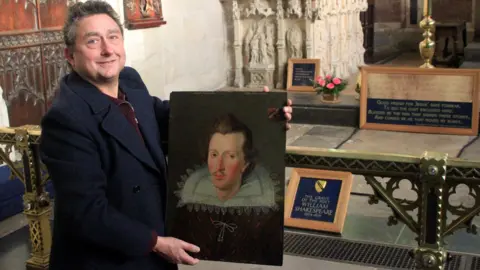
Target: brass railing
(433,177)
(37,207)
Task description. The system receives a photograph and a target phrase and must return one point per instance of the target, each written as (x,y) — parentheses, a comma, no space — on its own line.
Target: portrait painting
(227,174)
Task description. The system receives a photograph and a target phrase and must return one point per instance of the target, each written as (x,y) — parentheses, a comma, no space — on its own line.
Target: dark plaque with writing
(316,199)
(420,113)
(303,74)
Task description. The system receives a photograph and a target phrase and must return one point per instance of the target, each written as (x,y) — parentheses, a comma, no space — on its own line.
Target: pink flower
(321,83)
(337,81)
(328,77)
(330,86)
(319,79)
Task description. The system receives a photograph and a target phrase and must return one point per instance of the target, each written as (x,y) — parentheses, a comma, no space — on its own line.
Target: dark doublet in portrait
(226,180)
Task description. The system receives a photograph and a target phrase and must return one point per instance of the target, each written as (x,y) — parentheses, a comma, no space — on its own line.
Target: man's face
(99,53)
(226,160)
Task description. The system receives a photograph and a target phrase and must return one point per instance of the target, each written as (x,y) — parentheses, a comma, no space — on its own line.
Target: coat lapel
(112,120)
(117,125)
(143,106)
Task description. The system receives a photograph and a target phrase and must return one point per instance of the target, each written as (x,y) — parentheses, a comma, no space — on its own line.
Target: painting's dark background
(191,117)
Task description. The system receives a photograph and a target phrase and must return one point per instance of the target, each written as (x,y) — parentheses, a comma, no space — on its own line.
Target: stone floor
(363,221)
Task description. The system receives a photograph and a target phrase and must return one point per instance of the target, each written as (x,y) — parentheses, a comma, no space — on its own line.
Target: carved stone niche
(264,34)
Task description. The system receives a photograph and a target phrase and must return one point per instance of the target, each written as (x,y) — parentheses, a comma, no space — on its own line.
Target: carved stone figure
(295,42)
(254,56)
(263,50)
(259,7)
(294,8)
(259,43)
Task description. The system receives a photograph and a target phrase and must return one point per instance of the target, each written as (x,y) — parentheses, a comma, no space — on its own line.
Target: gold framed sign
(410,99)
(317,199)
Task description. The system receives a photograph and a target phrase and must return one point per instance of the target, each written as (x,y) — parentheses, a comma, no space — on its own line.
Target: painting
(141,14)
(227,174)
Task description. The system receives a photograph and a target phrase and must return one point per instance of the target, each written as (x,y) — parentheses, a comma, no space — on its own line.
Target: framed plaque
(301,72)
(410,99)
(317,199)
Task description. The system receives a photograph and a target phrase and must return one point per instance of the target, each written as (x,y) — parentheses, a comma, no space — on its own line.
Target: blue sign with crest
(316,199)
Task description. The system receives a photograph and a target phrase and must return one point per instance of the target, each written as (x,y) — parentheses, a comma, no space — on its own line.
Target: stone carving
(259,7)
(295,38)
(294,8)
(268,32)
(260,52)
(235,10)
(259,43)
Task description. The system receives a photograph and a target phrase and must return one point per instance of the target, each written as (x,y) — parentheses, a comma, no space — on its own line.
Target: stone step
(472,52)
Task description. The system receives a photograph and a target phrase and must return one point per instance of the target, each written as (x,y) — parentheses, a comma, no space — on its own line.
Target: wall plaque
(317,199)
(443,101)
(301,72)
(140,14)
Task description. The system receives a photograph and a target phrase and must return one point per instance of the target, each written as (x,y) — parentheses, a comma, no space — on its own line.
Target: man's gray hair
(80,10)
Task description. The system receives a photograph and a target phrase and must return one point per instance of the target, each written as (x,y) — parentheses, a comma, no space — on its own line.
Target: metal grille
(341,250)
(475,264)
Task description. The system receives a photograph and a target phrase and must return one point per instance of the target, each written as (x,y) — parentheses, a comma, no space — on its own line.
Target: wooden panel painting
(140,14)
(227,174)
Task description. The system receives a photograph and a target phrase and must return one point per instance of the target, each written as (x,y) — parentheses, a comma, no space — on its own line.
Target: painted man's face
(226,160)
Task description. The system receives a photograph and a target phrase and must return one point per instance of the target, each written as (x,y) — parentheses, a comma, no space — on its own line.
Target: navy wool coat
(110,185)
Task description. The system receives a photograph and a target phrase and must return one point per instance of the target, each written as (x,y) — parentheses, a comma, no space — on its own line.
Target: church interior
(216,45)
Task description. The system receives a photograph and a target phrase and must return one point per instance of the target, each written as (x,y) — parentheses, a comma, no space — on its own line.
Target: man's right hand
(175,250)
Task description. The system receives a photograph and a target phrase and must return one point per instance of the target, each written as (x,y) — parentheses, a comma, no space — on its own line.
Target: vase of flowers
(329,88)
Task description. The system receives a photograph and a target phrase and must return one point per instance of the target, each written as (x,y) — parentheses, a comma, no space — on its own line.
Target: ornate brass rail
(433,177)
(37,206)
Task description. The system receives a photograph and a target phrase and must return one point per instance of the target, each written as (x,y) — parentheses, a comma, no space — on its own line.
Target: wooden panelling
(31,60)
(53,14)
(17,15)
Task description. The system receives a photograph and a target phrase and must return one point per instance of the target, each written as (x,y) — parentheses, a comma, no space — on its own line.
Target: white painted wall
(189,53)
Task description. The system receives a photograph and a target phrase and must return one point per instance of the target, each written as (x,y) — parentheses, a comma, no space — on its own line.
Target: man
(101,145)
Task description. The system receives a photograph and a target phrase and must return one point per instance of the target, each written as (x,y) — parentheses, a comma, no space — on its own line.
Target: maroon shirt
(127,110)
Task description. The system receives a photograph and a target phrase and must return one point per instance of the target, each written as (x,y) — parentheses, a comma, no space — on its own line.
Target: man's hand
(175,250)
(287,110)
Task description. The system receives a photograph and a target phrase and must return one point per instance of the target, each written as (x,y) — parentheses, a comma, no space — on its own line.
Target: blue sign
(303,74)
(316,199)
(420,113)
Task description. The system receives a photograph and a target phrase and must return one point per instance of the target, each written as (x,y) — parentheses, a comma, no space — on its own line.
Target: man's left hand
(287,110)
